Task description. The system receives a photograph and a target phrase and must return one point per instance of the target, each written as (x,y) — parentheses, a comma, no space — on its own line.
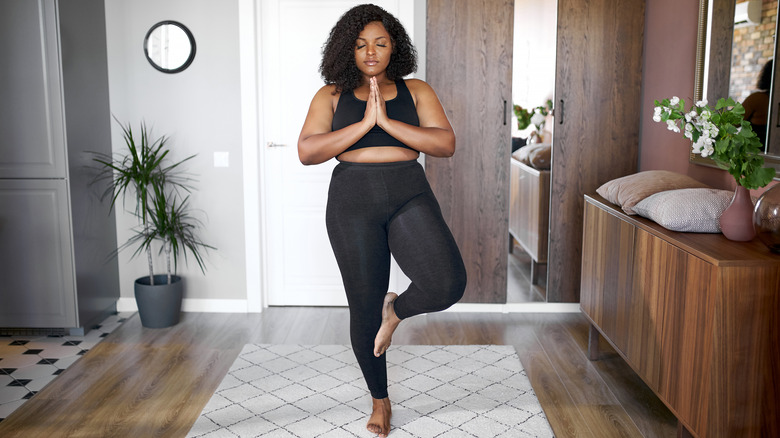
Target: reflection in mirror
(169,46)
(732,51)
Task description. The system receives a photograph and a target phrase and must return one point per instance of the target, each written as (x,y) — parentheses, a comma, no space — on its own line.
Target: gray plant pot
(159,305)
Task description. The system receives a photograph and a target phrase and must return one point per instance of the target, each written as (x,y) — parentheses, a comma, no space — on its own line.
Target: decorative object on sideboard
(144,176)
(766,218)
(537,117)
(723,134)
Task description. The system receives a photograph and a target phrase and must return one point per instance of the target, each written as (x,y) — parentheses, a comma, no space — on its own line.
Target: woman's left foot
(389,323)
(379,423)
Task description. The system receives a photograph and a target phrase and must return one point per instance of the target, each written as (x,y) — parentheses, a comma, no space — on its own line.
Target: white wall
(533,59)
(200,110)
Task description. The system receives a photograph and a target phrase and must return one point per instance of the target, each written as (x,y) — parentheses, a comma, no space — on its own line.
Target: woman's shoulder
(419,89)
(414,84)
(328,93)
(328,90)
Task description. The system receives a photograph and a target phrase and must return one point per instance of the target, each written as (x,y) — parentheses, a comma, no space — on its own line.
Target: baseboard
(193,305)
(516,308)
(240,306)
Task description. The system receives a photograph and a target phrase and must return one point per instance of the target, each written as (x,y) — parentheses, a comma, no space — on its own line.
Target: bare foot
(389,323)
(379,423)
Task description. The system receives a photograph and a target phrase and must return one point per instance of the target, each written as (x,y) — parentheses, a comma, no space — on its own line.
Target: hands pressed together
(376,113)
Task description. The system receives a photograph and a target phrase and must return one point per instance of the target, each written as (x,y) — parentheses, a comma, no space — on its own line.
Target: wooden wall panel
(596,131)
(469,64)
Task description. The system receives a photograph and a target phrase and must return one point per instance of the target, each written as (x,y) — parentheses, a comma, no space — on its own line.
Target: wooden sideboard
(529,206)
(695,315)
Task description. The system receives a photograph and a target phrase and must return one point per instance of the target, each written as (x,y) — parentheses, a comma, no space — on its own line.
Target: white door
(301,268)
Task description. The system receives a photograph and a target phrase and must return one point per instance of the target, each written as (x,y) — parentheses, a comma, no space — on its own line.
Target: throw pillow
(541,157)
(627,191)
(689,210)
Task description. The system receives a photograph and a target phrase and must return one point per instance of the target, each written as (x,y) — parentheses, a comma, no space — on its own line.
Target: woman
(379,202)
(757,104)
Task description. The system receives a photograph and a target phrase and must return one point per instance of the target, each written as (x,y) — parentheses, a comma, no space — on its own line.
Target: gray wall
(199,109)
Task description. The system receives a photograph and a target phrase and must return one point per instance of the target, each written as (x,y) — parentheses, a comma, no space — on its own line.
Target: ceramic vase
(736,222)
(766,218)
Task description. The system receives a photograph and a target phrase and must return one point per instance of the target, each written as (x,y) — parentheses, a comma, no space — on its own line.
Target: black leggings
(375,209)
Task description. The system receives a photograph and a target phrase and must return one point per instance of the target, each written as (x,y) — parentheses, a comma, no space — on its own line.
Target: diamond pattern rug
(285,391)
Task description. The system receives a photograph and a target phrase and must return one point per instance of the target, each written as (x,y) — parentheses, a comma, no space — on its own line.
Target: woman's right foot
(379,422)
(389,323)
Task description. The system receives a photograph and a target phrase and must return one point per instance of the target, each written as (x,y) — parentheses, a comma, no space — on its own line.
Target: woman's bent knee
(451,290)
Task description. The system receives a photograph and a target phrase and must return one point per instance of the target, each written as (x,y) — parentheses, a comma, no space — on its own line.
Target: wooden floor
(154,382)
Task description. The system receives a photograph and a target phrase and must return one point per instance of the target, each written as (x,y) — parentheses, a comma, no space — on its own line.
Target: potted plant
(536,116)
(142,174)
(723,134)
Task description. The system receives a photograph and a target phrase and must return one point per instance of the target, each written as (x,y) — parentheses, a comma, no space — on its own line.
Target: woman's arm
(317,142)
(434,136)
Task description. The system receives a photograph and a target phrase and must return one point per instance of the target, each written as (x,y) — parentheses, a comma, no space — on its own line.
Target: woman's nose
(370,50)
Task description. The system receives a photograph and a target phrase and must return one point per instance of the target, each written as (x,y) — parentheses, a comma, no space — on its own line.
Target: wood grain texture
(599,72)
(469,64)
(701,318)
(154,382)
(720,35)
(529,206)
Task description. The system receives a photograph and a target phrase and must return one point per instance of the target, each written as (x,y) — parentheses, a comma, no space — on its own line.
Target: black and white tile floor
(28,363)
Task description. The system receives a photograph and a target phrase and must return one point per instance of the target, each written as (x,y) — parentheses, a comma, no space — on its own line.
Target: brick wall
(752,47)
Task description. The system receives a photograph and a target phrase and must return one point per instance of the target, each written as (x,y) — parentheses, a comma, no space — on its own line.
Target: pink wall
(669,69)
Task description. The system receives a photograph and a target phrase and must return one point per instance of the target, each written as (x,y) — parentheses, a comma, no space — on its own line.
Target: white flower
(674,101)
(688,131)
(656,117)
(672,126)
(537,119)
(702,103)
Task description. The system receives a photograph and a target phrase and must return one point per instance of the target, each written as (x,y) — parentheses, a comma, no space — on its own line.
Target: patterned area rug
(318,391)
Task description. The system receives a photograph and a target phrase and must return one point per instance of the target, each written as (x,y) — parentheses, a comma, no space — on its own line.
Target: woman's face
(373,49)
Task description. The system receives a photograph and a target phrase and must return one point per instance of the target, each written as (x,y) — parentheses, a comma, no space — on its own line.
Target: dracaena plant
(721,133)
(144,176)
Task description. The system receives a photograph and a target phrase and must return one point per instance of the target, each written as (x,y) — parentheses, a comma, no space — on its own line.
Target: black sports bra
(350,110)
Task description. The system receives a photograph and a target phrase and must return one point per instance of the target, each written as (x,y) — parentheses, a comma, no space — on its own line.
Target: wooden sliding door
(469,64)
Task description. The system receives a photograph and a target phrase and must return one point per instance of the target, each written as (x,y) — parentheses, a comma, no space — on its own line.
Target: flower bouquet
(535,116)
(721,133)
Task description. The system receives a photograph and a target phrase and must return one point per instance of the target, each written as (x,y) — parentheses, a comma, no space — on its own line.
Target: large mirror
(736,40)
(169,46)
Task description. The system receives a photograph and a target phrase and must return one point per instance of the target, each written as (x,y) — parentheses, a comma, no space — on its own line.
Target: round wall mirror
(169,46)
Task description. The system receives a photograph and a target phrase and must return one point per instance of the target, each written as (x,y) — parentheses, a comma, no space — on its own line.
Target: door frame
(252,135)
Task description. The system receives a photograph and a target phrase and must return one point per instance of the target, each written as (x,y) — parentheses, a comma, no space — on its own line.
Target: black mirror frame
(190,37)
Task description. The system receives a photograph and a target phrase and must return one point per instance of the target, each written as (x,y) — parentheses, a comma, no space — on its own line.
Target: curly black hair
(338,54)
(764,82)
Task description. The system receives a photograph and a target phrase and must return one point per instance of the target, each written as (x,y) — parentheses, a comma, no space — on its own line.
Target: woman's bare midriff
(380,154)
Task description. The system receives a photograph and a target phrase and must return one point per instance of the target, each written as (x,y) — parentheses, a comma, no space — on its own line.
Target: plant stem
(168,259)
(151,265)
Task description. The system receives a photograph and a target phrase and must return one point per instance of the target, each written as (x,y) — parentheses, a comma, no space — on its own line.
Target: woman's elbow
(306,157)
(447,148)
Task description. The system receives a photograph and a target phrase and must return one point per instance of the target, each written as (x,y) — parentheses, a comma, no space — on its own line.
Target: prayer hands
(375,107)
